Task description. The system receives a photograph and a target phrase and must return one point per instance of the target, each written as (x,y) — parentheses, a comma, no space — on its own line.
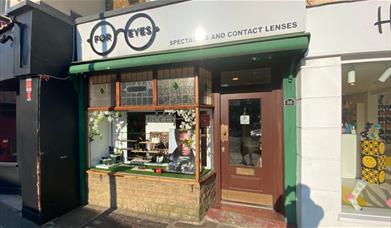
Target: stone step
(242,220)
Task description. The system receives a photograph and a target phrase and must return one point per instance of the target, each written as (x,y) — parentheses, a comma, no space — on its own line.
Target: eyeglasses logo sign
(139,33)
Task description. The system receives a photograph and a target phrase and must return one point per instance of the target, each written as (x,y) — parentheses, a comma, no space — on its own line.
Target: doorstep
(238,219)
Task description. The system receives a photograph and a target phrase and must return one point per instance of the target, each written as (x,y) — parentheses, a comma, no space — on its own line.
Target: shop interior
(366,138)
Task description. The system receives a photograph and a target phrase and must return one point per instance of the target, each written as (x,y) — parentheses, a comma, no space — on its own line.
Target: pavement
(10,213)
(99,217)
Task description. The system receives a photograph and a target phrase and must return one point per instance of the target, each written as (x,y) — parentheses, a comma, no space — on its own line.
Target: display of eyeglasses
(163,142)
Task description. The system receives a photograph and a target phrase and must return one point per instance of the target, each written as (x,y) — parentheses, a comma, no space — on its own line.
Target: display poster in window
(244,119)
(181,151)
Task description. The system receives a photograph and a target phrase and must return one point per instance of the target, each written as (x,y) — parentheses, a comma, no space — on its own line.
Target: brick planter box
(156,196)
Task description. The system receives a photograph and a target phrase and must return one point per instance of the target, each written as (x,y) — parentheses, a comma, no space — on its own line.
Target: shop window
(206,134)
(150,142)
(136,88)
(245,131)
(102,90)
(366,138)
(176,86)
(8,126)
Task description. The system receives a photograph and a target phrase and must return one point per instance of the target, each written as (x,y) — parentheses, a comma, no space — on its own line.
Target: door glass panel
(245,132)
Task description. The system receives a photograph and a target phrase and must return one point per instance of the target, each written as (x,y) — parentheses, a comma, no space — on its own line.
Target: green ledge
(122,169)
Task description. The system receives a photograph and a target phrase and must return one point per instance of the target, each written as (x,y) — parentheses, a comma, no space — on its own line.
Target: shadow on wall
(310,212)
(304,206)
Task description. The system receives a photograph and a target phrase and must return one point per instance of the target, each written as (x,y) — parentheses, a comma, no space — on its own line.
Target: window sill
(371,215)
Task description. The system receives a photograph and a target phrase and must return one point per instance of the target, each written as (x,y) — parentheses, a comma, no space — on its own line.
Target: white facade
(185,25)
(340,33)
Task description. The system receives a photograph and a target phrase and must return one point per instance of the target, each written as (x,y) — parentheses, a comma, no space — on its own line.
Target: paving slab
(12,218)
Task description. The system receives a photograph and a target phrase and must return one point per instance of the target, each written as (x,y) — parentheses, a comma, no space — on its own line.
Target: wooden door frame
(278,159)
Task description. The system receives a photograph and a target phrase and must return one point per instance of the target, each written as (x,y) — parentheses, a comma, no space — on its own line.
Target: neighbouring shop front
(345,100)
(9,87)
(187,107)
(38,137)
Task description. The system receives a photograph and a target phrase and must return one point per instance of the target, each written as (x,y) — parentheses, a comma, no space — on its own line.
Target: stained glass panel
(102,90)
(176,86)
(136,88)
(205,86)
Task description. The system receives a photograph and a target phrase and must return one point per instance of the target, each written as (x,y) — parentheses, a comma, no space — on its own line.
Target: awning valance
(296,43)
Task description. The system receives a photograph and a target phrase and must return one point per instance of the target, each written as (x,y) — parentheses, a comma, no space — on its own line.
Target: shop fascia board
(295,42)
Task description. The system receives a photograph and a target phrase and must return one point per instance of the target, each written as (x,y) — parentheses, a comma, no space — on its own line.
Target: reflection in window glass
(176,86)
(205,86)
(7,126)
(245,132)
(206,138)
(366,142)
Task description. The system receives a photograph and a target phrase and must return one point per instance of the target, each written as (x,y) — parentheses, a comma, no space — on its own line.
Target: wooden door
(247,126)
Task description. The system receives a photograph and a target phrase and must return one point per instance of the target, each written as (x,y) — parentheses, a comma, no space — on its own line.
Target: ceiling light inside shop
(235,79)
(351,77)
(386,75)
(200,34)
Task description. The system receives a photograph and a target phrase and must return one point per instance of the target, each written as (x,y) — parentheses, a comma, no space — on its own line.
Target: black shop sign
(139,33)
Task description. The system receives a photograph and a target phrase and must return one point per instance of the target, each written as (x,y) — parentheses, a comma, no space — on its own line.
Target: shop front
(345,112)
(38,153)
(188,108)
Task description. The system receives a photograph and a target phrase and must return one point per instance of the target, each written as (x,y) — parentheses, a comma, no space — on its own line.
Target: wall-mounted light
(386,75)
(351,76)
(235,78)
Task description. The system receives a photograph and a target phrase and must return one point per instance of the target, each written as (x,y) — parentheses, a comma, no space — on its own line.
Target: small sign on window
(244,119)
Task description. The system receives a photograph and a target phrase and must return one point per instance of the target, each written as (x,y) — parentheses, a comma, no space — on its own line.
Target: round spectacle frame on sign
(92,34)
(155,29)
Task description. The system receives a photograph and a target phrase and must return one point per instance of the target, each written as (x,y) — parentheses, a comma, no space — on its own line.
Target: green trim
(82,142)
(277,45)
(290,145)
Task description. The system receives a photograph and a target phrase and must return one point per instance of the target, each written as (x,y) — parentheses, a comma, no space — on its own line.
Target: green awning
(297,43)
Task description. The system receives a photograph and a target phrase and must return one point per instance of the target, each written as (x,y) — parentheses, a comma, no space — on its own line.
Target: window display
(366,149)
(159,141)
